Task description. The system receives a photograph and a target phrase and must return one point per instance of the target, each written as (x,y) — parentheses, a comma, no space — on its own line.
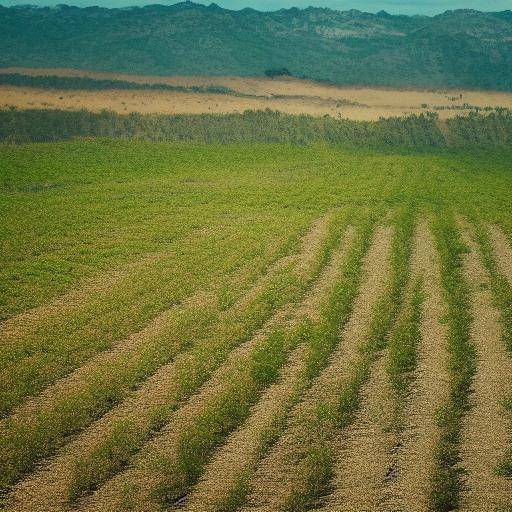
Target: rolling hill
(463,48)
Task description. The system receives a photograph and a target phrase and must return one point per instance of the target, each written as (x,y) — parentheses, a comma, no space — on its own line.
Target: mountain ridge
(458,48)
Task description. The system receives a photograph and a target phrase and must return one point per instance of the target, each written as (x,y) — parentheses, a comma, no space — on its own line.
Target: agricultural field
(254,327)
(287,95)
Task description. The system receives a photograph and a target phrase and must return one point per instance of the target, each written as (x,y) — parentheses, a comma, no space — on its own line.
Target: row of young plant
(447,481)
(126,437)
(323,337)
(403,350)
(203,335)
(178,466)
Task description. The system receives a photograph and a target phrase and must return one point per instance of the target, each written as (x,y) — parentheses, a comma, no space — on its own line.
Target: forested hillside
(461,48)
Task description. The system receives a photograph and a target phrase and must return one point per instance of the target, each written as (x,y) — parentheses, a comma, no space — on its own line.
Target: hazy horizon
(391,6)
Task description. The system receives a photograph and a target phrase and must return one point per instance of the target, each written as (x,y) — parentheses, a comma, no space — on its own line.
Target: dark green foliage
(252,126)
(462,48)
(494,129)
(275,72)
(414,131)
(93,84)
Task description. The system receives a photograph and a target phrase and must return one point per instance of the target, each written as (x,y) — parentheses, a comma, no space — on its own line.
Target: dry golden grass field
(290,96)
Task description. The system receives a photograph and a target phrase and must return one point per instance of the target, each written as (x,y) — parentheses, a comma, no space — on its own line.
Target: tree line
(94,84)
(414,131)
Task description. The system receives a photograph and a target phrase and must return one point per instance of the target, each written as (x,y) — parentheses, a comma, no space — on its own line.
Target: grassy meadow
(229,327)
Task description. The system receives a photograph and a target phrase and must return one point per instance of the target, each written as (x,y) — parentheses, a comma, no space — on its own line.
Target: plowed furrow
(105,448)
(284,471)
(408,488)
(502,252)
(39,354)
(172,462)
(363,452)
(225,479)
(487,426)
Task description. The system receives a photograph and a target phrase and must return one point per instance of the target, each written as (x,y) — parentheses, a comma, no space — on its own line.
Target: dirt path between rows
(235,461)
(276,478)
(487,426)
(414,457)
(502,252)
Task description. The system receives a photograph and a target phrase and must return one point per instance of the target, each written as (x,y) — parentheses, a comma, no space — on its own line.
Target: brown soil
(502,252)
(488,425)
(276,477)
(414,457)
(161,389)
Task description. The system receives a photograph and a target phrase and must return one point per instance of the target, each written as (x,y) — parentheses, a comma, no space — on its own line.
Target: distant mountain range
(463,48)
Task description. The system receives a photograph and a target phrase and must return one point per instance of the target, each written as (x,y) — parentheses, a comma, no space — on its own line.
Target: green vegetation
(418,132)
(403,342)
(447,482)
(190,328)
(74,83)
(320,338)
(136,277)
(464,106)
(462,48)
(494,129)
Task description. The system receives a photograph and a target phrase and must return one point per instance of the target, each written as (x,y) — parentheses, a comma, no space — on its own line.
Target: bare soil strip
(277,477)
(144,478)
(161,391)
(502,252)
(487,427)
(234,462)
(408,489)
(363,452)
